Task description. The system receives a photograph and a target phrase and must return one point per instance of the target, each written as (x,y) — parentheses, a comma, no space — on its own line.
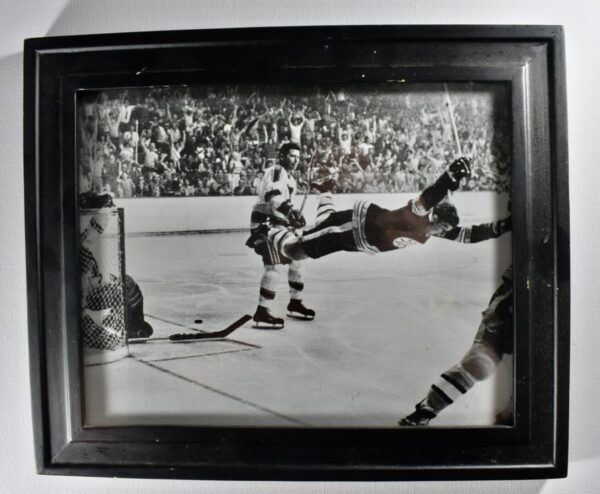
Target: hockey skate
(419,418)
(263,319)
(297,310)
(325,185)
(140,330)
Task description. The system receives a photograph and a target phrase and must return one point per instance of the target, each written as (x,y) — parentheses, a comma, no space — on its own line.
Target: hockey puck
(198,321)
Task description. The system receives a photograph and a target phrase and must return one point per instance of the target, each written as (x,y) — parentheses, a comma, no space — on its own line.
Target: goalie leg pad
(137,327)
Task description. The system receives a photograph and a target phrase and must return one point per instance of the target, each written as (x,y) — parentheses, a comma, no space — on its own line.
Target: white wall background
(21,19)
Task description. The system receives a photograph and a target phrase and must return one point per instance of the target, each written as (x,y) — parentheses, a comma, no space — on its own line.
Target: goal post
(103,293)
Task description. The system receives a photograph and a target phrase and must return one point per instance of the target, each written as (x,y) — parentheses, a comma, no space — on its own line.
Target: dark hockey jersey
(387,227)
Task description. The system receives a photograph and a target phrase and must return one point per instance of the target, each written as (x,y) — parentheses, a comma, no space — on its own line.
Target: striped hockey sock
(268,284)
(452,384)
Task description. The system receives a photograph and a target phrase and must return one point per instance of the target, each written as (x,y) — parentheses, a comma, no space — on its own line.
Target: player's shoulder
(276,173)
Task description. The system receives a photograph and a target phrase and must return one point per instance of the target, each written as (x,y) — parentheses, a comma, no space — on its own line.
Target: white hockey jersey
(276,188)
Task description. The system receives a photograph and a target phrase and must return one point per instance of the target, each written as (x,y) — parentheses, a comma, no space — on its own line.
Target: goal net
(103,307)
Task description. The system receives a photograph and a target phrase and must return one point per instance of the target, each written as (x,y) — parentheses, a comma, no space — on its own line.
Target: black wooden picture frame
(528,58)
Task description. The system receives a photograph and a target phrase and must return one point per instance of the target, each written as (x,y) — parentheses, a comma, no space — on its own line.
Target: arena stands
(212,141)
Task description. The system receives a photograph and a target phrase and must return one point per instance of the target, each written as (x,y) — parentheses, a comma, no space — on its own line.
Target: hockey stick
(217,334)
(452,122)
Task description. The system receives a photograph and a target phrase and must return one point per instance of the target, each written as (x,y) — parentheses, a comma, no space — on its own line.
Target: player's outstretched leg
(265,320)
(297,310)
(325,207)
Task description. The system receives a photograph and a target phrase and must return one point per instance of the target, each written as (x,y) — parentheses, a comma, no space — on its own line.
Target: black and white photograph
(304,256)
(289,253)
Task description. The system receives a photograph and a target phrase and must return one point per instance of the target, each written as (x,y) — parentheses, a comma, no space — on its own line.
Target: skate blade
(137,341)
(300,317)
(268,327)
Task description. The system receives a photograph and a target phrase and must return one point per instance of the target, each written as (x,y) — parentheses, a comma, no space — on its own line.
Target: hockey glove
(258,238)
(459,169)
(433,194)
(502,226)
(296,218)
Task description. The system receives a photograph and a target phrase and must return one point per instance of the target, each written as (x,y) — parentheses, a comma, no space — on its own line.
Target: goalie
(111,312)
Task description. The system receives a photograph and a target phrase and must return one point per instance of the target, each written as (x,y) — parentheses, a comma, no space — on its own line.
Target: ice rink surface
(387,326)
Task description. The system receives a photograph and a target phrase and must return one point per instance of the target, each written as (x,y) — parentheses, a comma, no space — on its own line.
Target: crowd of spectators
(214,141)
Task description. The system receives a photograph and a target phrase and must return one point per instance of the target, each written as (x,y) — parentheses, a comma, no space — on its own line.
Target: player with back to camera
(493,340)
(367,227)
(274,209)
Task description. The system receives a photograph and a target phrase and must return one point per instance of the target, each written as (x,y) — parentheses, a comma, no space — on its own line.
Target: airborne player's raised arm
(448,181)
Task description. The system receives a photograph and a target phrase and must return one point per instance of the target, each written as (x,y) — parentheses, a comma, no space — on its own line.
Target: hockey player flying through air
(366,227)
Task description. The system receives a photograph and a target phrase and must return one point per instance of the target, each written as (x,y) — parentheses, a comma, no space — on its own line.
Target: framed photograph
(289,253)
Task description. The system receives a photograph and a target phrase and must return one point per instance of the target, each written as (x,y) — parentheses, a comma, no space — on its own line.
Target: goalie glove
(459,169)
(296,219)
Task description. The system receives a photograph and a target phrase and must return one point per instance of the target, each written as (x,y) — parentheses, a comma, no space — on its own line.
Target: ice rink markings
(171,322)
(199,355)
(163,338)
(425,343)
(225,394)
